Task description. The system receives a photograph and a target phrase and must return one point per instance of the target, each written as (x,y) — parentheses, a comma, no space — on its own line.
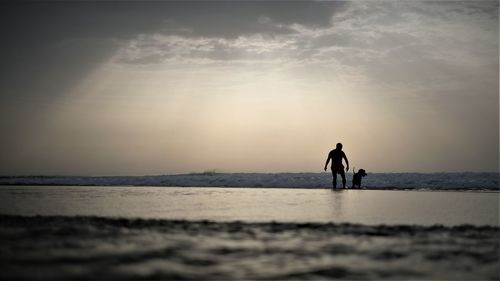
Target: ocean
(193,233)
(419,181)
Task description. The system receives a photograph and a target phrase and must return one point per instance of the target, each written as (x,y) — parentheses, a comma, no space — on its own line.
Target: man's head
(339,146)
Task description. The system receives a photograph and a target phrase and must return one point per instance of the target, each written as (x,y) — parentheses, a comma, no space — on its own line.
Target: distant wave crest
(425,181)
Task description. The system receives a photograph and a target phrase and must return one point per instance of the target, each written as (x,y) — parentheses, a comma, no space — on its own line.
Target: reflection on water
(255,204)
(337,199)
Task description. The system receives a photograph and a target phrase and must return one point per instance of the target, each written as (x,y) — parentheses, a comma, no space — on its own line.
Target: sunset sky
(141,88)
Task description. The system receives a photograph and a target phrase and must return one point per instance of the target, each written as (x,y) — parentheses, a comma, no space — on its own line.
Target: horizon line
(211,173)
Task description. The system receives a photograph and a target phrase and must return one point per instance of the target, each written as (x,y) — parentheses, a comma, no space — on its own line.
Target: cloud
(161,49)
(366,34)
(393,43)
(375,26)
(62,41)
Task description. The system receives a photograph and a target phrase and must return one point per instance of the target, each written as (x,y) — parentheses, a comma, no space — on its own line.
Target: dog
(357,177)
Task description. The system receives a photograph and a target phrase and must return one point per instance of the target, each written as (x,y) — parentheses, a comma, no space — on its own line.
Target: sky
(143,88)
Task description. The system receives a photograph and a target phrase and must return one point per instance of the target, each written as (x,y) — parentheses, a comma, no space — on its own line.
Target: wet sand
(91,247)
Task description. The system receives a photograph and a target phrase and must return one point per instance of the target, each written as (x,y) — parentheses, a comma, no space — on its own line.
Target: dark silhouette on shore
(357,177)
(337,167)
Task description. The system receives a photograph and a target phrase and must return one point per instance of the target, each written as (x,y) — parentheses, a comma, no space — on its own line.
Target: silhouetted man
(337,155)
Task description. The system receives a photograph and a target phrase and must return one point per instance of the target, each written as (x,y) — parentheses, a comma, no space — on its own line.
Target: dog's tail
(353,170)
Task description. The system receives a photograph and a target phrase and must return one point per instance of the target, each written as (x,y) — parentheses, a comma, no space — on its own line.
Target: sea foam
(427,181)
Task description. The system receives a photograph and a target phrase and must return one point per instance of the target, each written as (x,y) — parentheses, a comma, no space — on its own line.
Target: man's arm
(347,163)
(327,161)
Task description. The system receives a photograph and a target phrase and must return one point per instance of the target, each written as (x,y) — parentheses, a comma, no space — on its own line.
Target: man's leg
(342,174)
(334,183)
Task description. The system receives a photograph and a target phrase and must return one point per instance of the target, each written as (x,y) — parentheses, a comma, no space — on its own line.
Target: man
(337,155)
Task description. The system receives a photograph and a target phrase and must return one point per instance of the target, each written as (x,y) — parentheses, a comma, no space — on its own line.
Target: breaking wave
(426,181)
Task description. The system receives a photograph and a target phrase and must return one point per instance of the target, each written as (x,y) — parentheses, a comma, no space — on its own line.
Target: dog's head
(362,172)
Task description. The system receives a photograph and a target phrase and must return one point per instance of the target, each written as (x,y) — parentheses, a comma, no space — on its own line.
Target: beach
(48,247)
(223,140)
(78,232)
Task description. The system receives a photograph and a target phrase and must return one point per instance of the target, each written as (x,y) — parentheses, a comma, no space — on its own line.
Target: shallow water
(432,181)
(104,248)
(371,207)
(57,232)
